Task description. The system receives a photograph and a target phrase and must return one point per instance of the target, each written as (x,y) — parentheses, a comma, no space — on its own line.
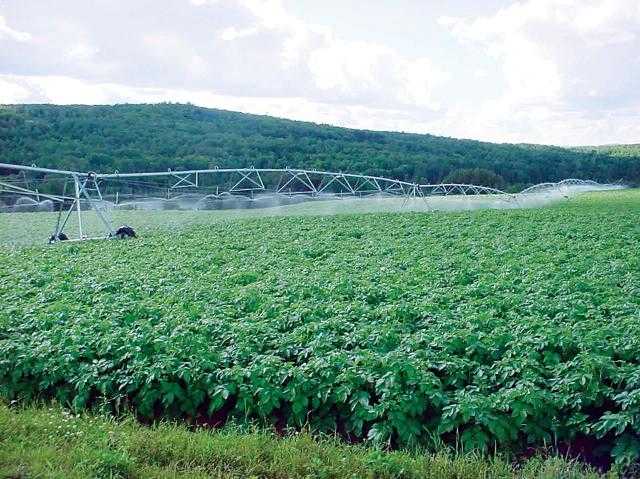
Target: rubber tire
(125,232)
(61,237)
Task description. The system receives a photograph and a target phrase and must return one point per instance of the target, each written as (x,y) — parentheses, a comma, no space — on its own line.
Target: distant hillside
(614,150)
(157,137)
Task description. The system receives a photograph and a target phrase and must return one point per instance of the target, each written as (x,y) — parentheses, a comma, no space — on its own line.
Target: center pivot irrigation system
(218,188)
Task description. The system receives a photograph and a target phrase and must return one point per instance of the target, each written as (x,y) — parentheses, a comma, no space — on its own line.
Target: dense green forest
(615,150)
(161,136)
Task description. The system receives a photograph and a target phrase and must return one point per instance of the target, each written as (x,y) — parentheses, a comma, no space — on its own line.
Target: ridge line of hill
(155,137)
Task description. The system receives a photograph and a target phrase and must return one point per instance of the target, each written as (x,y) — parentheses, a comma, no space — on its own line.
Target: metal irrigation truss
(30,188)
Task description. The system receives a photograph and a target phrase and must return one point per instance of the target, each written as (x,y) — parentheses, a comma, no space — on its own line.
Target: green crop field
(22,229)
(510,330)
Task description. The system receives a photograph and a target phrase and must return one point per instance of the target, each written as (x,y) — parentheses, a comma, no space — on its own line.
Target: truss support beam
(240,181)
(250,180)
(96,205)
(185,181)
(8,187)
(76,184)
(302,177)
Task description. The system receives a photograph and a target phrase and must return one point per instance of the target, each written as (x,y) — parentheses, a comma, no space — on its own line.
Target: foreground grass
(51,442)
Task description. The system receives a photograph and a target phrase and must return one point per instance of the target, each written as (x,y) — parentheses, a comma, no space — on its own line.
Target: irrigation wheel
(125,232)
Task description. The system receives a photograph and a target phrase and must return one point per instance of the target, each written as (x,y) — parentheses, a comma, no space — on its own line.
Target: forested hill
(161,136)
(616,150)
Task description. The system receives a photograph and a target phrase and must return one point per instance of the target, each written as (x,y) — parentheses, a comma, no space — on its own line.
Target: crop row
(508,329)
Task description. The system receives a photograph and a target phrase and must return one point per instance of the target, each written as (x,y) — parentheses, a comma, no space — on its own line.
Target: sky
(564,72)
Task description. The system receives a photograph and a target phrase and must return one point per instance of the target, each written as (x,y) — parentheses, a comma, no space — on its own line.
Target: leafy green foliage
(475,176)
(509,329)
(157,137)
(613,150)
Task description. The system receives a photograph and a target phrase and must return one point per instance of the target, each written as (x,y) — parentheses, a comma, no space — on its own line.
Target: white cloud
(230,47)
(7,32)
(272,14)
(68,91)
(81,52)
(340,70)
(499,122)
(12,92)
(340,65)
(560,71)
(554,50)
(231,33)
(421,79)
(566,64)
(374,74)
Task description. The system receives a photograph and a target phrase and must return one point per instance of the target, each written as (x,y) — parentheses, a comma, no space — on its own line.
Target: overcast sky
(564,72)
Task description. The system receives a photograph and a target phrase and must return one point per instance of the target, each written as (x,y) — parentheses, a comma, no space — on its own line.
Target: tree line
(177,136)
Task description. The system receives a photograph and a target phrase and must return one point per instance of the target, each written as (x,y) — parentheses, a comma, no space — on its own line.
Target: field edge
(49,441)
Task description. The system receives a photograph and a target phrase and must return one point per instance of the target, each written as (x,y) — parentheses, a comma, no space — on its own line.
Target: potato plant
(491,329)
